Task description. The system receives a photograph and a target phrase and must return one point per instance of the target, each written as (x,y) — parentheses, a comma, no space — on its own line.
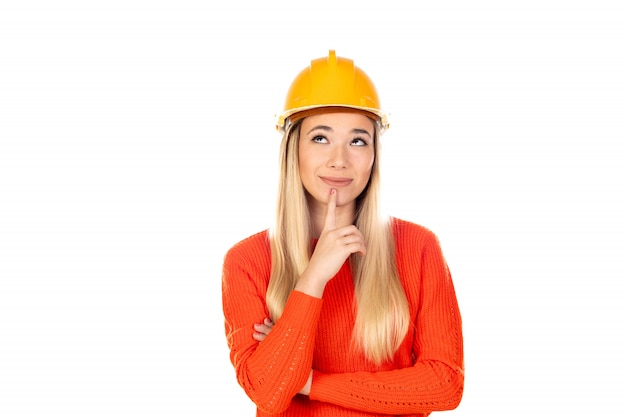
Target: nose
(338,157)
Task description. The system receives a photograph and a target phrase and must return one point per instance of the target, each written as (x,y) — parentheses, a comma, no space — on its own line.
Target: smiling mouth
(336,182)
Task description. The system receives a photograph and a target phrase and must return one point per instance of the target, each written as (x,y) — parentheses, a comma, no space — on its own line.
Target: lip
(337,181)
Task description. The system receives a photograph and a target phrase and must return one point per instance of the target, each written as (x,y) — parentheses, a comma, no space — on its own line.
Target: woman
(338,311)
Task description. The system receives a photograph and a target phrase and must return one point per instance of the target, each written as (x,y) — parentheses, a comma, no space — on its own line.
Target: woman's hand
(262,329)
(334,246)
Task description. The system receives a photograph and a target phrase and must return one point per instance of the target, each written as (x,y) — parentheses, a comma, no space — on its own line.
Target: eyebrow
(329,129)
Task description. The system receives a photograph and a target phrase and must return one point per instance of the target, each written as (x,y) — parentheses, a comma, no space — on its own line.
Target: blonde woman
(337,310)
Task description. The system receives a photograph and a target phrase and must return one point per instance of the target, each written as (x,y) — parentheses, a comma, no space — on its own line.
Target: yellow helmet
(331,82)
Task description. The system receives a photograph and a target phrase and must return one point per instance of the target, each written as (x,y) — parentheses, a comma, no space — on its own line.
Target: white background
(137,144)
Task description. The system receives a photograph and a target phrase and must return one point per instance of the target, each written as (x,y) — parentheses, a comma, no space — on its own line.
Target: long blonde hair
(382,313)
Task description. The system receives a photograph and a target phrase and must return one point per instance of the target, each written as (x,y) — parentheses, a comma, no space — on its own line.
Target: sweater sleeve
(271,372)
(435,381)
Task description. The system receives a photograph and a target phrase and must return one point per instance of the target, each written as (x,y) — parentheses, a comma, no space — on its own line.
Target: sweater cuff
(303,309)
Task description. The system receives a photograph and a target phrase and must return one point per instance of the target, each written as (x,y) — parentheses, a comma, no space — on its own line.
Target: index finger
(330,222)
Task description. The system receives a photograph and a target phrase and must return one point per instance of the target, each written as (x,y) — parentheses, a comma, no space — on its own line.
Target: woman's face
(336,150)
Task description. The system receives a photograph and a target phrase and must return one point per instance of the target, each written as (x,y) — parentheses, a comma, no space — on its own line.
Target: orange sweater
(425,375)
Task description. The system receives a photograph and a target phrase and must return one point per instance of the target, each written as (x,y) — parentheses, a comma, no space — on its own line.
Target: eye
(319,139)
(358,142)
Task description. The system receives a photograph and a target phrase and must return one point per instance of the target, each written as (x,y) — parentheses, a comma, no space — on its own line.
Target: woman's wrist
(306,389)
(310,286)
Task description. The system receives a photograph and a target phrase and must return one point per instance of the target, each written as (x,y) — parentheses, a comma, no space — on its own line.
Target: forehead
(339,122)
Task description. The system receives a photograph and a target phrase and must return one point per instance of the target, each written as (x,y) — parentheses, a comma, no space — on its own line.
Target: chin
(345,200)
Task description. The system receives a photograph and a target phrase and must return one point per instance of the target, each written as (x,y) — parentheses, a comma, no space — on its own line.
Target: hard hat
(331,82)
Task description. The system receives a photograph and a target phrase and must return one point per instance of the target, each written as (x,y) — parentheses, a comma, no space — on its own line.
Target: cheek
(367,164)
(307,174)
(301,163)
(310,163)
(304,168)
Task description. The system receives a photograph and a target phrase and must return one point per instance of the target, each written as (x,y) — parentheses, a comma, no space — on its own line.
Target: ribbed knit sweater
(425,375)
